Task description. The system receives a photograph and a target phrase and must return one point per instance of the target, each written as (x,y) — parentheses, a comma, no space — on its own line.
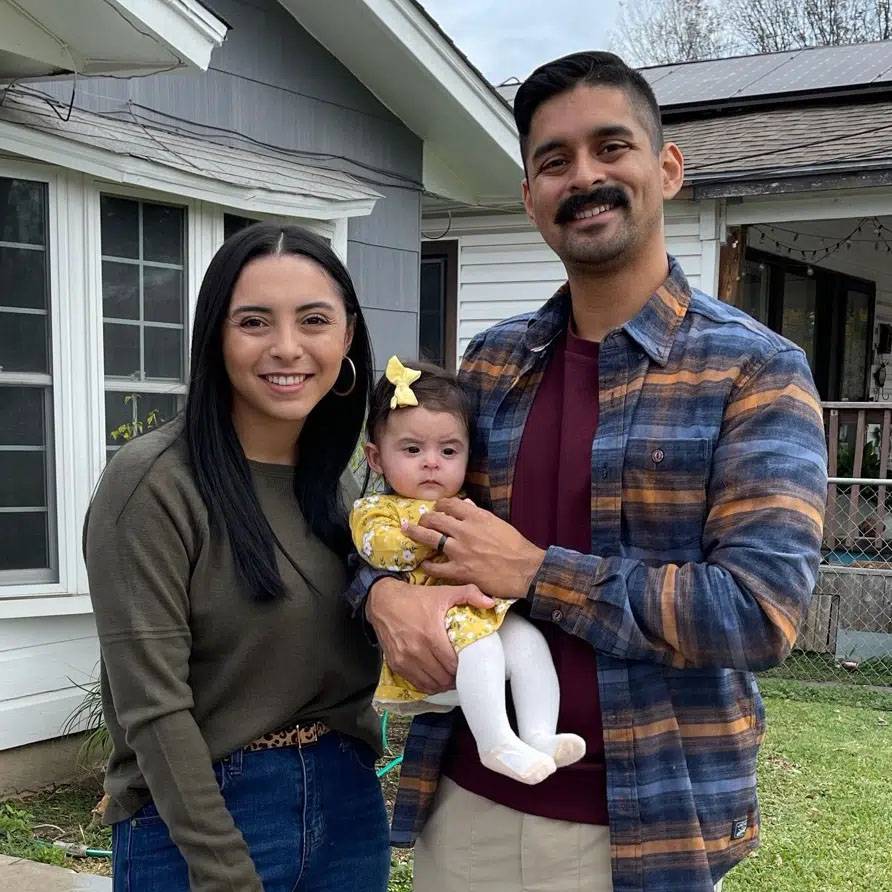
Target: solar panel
(832,66)
(768,75)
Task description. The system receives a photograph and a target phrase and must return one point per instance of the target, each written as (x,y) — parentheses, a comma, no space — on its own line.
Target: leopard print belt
(298,735)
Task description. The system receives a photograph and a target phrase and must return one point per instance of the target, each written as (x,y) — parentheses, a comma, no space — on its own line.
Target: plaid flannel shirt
(708,491)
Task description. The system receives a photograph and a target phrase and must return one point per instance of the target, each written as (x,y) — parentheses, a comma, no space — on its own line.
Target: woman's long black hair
(327,439)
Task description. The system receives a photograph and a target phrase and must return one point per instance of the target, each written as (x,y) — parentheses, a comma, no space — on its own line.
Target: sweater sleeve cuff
(358,591)
(560,591)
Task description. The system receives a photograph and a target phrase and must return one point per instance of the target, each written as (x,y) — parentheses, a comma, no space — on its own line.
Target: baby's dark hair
(436,390)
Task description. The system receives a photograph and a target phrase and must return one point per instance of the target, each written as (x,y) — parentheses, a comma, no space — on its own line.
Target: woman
(236,687)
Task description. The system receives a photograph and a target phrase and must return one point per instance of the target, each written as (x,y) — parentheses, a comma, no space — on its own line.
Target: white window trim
(333,231)
(60,497)
(79,386)
(159,179)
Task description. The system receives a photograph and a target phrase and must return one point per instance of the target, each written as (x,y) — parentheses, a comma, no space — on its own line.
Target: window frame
(446,250)
(78,442)
(831,288)
(165,387)
(54,579)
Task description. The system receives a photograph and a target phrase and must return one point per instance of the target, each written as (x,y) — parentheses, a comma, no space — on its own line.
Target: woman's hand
(410,622)
(481,549)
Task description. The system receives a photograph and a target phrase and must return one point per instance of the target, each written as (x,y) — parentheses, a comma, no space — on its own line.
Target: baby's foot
(519,761)
(565,749)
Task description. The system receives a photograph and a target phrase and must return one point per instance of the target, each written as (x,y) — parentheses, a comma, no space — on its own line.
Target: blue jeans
(313,819)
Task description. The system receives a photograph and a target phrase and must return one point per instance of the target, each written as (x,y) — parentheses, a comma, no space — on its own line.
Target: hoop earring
(352,386)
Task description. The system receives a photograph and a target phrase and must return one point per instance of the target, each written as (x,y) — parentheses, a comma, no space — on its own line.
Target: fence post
(833,458)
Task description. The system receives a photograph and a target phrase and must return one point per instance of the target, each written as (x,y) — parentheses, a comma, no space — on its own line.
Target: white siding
(683,238)
(42,660)
(504,267)
(502,273)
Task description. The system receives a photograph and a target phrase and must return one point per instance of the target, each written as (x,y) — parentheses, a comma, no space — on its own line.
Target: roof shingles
(784,140)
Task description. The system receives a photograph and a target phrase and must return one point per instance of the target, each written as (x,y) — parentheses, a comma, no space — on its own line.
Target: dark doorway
(439,303)
(827,313)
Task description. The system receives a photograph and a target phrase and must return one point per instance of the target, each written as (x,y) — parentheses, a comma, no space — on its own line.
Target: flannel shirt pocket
(664,492)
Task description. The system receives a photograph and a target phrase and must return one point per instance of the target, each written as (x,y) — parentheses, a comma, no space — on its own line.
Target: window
(233,223)
(753,292)
(431,320)
(144,313)
(27,524)
(827,313)
(436,315)
(799,313)
(856,326)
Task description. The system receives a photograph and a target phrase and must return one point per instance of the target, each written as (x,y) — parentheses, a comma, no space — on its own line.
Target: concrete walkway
(18,875)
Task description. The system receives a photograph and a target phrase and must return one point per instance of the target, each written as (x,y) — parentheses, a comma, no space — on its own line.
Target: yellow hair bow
(402,379)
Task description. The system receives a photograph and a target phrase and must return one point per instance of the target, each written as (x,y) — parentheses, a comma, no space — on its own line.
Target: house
(786,209)
(119,178)
(121,172)
(786,212)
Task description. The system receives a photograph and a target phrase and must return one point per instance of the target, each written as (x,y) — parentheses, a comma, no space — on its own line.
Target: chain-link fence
(847,635)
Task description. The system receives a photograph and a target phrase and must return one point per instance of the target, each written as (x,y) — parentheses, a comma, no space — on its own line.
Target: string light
(816,255)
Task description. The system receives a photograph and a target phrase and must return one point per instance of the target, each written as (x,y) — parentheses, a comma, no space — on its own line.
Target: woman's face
(284,339)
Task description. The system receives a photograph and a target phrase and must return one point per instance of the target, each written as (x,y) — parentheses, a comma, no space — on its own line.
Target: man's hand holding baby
(409,621)
(480,549)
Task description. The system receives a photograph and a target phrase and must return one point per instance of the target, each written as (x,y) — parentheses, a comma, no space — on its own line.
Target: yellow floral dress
(379,539)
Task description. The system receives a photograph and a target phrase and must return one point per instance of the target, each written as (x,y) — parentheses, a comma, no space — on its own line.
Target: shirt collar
(653,328)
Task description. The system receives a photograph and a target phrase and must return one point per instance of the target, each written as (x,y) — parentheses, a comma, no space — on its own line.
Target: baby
(418,441)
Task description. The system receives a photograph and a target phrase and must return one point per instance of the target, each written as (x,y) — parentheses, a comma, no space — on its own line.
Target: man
(648,477)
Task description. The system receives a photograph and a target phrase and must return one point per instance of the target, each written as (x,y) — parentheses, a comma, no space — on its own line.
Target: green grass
(825,781)
(400,875)
(28,828)
(17,837)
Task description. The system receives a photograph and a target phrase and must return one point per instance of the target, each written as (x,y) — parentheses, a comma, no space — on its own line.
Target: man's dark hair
(594,69)
(436,390)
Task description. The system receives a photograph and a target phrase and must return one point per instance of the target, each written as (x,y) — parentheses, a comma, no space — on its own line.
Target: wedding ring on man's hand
(442,543)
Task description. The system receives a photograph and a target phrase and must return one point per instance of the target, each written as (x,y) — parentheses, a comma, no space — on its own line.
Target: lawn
(826,794)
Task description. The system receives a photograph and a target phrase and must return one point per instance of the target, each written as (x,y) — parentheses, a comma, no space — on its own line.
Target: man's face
(594,183)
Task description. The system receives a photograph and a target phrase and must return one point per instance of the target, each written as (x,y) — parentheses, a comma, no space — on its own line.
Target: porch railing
(859,497)
(847,633)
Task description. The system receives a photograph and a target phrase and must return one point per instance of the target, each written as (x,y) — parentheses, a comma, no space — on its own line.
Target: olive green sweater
(192,667)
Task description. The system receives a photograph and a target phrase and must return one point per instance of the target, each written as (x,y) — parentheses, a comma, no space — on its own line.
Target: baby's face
(422,454)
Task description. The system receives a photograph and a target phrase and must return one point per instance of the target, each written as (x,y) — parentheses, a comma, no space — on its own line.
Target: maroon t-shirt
(551,505)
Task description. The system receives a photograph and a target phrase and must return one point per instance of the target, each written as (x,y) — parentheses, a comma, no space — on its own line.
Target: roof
(743,79)
(747,118)
(746,80)
(196,165)
(405,59)
(768,143)
(98,37)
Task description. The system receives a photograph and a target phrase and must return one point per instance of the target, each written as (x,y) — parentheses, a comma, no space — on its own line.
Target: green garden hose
(386,769)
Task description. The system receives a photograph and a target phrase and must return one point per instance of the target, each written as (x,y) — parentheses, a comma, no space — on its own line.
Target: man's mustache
(573,205)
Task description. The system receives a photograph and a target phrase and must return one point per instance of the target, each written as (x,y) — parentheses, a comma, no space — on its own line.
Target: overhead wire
(197,130)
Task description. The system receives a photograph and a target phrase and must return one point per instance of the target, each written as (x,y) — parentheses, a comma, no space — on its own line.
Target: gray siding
(272,82)
(383,256)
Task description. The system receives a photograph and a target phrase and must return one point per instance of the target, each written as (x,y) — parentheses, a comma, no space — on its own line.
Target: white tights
(519,653)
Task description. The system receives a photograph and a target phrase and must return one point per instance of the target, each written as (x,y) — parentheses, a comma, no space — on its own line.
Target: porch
(848,631)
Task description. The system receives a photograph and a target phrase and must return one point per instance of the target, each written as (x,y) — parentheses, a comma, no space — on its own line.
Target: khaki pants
(470,843)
